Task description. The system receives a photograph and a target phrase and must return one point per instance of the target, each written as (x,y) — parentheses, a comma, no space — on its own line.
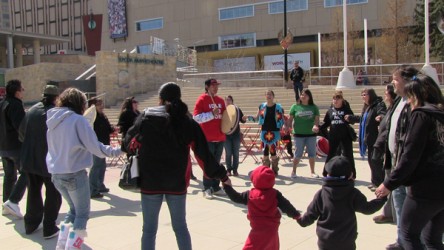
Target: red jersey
(212,128)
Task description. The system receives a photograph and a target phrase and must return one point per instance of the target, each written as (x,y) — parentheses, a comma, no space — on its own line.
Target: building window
(144,49)
(333,3)
(236,12)
(237,41)
(150,24)
(292,5)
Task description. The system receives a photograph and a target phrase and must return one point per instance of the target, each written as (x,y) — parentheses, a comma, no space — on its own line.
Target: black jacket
(103,128)
(421,158)
(164,161)
(334,208)
(11,115)
(334,119)
(381,155)
(371,125)
(297,75)
(33,135)
(126,120)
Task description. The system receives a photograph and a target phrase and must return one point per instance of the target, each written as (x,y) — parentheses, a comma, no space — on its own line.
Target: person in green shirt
(304,116)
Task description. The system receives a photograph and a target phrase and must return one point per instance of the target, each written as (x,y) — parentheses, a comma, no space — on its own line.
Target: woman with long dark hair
(163,136)
(421,167)
(305,115)
(128,114)
(373,107)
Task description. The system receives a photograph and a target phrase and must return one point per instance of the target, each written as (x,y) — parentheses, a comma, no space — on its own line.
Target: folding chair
(116,142)
(250,141)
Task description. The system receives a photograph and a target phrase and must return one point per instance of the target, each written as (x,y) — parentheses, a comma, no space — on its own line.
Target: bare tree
(394,45)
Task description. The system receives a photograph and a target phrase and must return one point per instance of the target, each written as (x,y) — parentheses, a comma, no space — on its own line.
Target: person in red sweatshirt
(263,202)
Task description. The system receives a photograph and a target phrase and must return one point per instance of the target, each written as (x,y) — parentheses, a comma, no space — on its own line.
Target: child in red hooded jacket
(263,202)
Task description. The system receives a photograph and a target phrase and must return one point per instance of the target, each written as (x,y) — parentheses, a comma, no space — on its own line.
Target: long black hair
(372,97)
(170,95)
(422,88)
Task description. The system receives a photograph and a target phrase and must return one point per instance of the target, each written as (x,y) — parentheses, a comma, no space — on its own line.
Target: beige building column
(36,44)
(18,55)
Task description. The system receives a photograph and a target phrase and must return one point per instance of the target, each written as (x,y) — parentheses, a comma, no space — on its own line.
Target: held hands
(347,118)
(382,191)
(378,118)
(227,182)
(315,129)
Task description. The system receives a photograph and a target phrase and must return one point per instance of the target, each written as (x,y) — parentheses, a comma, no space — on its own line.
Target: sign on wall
(235,64)
(276,62)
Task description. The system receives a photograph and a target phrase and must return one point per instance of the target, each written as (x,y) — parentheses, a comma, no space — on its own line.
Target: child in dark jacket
(334,207)
(263,202)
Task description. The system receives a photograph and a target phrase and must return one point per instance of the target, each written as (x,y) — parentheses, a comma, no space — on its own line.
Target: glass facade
(151,24)
(333,3)
(237,41)
(292,5)
(236,12)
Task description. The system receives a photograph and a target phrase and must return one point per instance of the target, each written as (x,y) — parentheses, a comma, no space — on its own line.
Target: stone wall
(122,74)
(68,58)
(34,77)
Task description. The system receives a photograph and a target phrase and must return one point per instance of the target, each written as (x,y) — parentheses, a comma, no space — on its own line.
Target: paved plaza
(116,220)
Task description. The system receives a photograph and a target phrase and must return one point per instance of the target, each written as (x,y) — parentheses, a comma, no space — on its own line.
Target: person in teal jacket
(271,118)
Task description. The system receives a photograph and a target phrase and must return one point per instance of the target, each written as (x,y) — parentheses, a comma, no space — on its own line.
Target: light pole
(345,79)
(427,68)
(286,49)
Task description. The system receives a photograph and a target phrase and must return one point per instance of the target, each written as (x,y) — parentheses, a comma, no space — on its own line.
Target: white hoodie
(71,142)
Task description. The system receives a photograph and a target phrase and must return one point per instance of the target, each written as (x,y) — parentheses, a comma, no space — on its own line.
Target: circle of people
(402,136)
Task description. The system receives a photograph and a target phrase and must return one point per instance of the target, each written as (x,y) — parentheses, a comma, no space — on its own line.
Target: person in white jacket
(71,144)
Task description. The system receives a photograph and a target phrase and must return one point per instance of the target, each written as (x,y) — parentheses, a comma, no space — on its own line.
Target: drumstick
(211,96)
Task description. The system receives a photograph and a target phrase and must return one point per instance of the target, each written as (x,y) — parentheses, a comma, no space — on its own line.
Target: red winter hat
(263,177)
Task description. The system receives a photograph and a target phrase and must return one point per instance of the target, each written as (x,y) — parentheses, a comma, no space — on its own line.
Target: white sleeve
(203,117)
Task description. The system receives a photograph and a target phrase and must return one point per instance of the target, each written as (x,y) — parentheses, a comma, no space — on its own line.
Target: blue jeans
(13,189)
(150,210)
(74,188)
(232,147)
(97,175)
(216,149)
(399,195)
(305,142)
(297,87)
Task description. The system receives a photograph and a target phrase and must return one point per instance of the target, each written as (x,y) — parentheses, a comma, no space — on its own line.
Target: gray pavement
(116,220)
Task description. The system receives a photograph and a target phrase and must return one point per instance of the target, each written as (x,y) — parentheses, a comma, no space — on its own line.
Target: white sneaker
(13,209)
(314,175)
(293,175)
(63,235)
(75,239)
(220,192)
(4,211)
(207,194)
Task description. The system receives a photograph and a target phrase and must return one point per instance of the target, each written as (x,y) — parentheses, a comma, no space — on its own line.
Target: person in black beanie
(32,133)
(334,207)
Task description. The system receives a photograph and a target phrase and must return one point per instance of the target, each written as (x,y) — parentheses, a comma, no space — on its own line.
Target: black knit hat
(338,166)
(169,91)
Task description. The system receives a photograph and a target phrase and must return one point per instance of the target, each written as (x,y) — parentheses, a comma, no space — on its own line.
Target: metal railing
(378,74)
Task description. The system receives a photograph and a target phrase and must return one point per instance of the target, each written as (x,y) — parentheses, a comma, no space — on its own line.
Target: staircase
(249,98)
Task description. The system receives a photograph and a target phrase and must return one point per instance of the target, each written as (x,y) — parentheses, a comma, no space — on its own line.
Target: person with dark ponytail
(420,167)
(163,137)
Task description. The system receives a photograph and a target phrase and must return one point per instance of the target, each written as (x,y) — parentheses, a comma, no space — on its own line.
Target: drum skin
(230,119)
